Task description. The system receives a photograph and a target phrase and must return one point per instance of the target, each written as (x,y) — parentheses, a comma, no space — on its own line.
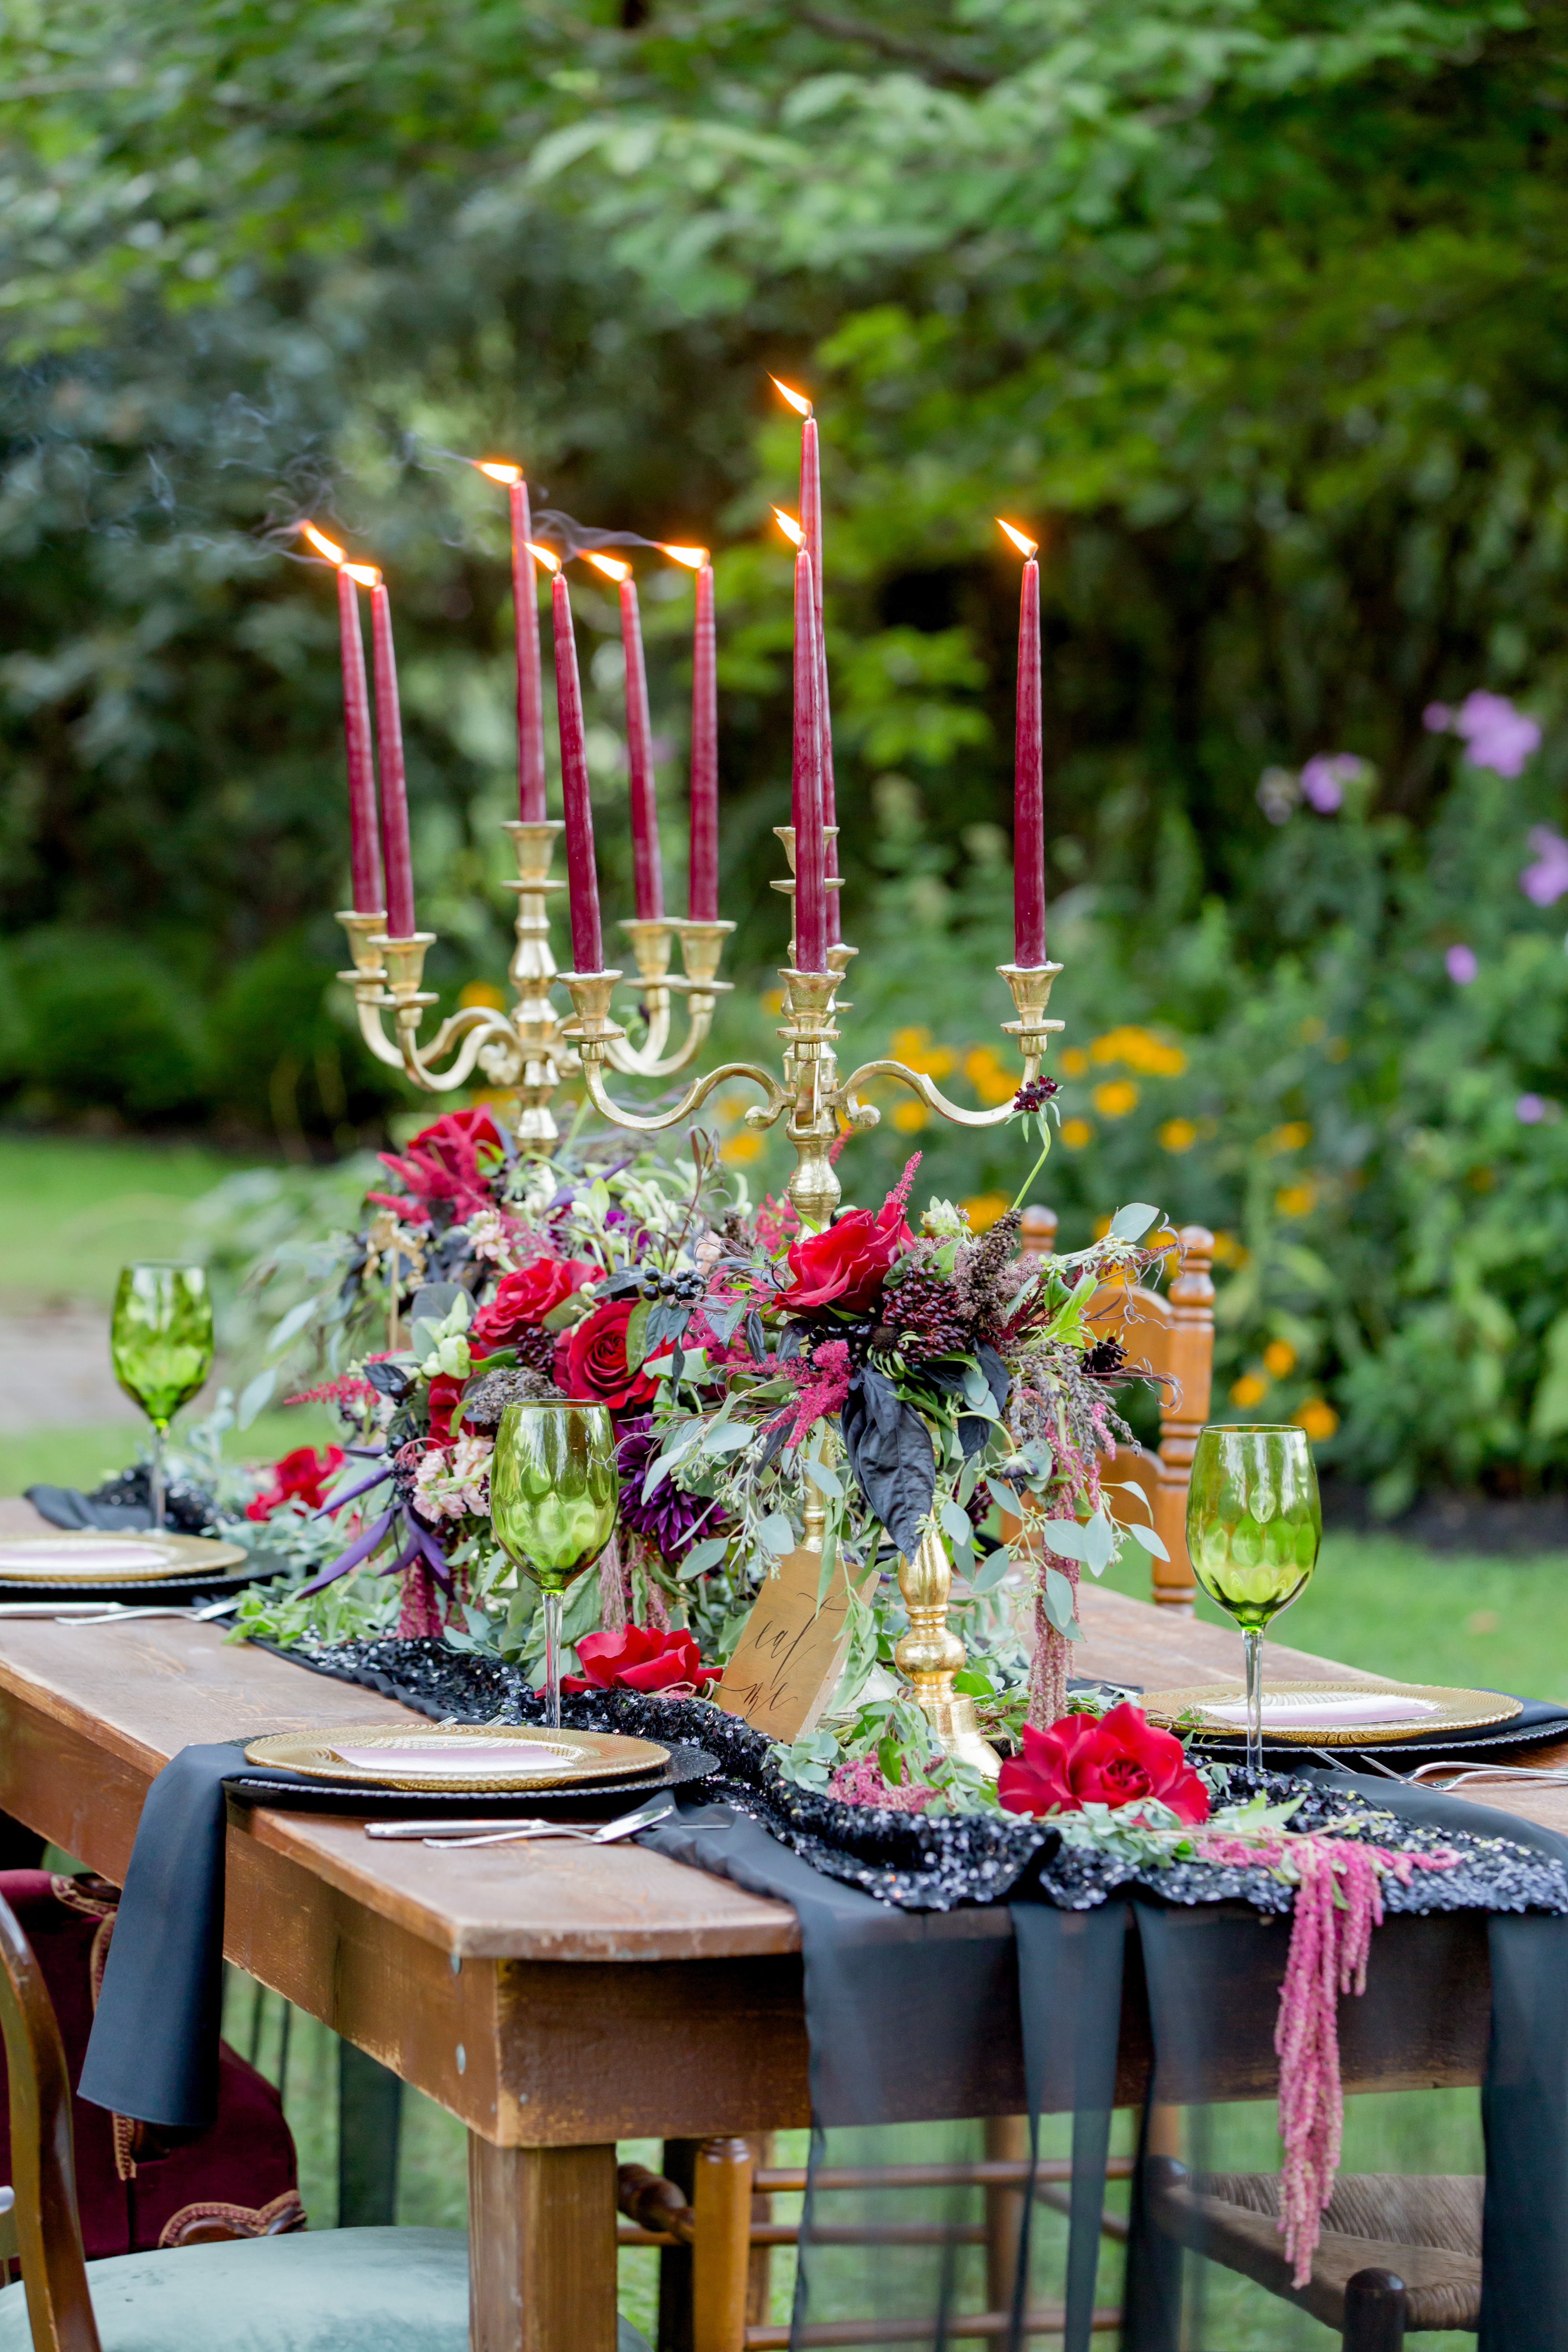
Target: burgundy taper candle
(587,944)
(805,784)
(648,874)
(703,883)
(1029,785)
(530,689)
(389,760)
(811,525)
(364,839)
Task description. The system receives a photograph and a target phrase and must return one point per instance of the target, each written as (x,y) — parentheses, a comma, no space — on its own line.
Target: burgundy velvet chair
(237,2180)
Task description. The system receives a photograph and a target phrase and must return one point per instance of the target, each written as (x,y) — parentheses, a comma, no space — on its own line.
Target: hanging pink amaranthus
(1339,1901)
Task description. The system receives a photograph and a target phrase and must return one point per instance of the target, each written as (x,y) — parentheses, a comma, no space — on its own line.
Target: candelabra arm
(645,1060)
(386,978)
(866,1113)
(761,1115)
(701,944)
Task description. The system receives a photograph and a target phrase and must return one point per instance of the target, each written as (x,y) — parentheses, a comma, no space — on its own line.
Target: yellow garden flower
(739,1149)
(1318,1418)
(1249,1390)
(910,1117)
(1075,1062)
(1075,1133)
(986,1073)
(913,1047)
(982,1208)
(1296,1199)
(482,991)
(1279,1356)
(1178,1135)
(1115,1098)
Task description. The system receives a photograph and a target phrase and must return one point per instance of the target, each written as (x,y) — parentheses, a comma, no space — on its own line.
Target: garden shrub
(104,1024)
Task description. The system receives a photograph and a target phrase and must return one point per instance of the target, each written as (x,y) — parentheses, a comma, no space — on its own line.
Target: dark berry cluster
(1035,1094)
(925,1316)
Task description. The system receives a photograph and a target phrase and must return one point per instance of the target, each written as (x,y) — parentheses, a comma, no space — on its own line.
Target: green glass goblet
(161,1345)
(1254,1525)
(554,1497)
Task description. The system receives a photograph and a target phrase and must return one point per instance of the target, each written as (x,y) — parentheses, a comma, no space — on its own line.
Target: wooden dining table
(557,1998)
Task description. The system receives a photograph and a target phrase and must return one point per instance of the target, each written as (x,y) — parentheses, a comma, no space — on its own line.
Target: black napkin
(68,1506)
(153,2052)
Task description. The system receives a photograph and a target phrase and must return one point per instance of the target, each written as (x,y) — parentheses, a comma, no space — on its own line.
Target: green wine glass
(1254,1525)
(554,1497)
(161,1344)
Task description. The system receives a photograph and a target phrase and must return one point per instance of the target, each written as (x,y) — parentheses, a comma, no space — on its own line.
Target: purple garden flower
(1461,965)
(1496,735)
(670,1517)
(1545,882)
(1530,1110)
(1324,777)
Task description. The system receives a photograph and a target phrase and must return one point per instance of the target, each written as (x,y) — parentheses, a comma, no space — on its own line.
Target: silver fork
(625,1825)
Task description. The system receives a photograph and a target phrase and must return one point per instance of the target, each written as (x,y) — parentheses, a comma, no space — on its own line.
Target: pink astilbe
(1339,1901)
(775,1222)
(864,1783)
(822,1384)
(898,1200)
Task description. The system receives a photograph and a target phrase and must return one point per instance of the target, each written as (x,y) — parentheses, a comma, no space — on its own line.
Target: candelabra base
(929,1654)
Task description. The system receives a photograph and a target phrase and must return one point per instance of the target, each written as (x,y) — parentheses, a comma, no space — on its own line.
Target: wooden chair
(1170,1335)
(1397,2254)
(338,2291)
(713,2222)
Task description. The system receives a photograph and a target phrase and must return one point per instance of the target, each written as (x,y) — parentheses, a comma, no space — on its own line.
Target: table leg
(542,2248)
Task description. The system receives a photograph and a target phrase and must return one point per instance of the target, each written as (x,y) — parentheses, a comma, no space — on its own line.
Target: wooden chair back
(47,2229)
(1170,1335)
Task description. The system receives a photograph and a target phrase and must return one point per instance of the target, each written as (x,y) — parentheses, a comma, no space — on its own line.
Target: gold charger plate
(106,1556)
(1450,1711)
(582,1756)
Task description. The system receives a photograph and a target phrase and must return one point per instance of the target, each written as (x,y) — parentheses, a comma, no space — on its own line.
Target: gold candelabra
(529,1048)
(816,1099)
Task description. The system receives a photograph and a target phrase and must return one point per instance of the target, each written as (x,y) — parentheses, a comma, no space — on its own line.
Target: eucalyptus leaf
(1060,1604)
(289,1326)
(829,1563)
(991,1570)
(827,1481)
(255,1397)
(1150,1541)
(955,1523)
(1130,1223)
(775,1534)
(704,1556)
(1099,1543)
(637,1335)
(1066,1538)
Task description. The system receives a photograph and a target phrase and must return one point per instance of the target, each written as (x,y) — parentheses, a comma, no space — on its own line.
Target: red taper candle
(811,526)
(530,690)
(394,786)
(364,839)
(1028,784)
(648,874)
(587,944)
(703,883)
(805,784)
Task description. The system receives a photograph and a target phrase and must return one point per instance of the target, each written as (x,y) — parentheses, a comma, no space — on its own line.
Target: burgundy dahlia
(668,1517)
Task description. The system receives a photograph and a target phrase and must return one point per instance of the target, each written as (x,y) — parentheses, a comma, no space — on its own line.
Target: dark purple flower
(668,1518)
(1035,1094)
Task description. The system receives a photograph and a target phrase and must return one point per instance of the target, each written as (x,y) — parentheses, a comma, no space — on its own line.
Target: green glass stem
(1252,1637)
(156,1480)
(551,1605)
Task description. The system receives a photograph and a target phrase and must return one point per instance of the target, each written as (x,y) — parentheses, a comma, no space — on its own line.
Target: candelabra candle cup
(1254,1525)
(161,1345)
(554,1497)
(366,934)
(929,1654)
(701,945)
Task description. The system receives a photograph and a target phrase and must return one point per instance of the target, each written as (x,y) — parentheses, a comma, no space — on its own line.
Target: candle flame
(498,470)
(611,566)
(1027,547)
(790,528)
(797,400)
(365,573)
(693,557)
(546,555)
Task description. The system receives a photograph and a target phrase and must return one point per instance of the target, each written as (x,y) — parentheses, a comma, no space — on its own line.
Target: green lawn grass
(72,1211)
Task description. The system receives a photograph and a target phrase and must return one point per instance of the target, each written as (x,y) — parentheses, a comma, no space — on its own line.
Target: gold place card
(791,1651)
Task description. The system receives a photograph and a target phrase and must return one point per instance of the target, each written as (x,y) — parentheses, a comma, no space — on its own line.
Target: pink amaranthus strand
(1053,1651)
(1339,1901)
(423,1611)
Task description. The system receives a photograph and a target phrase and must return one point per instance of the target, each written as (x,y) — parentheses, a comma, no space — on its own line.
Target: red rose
(445,1392)
(1121,1760)
(524,1299)
(591,1359)
(846,1265)
(302,1477)
(638,1658)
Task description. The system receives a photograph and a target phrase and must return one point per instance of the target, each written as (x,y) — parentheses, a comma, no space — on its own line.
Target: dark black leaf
(995,1372)
(756,1336)
(891,1453)
(433,1302)
(392,1381)
(790,1339)
(721,1320)
(663,1323)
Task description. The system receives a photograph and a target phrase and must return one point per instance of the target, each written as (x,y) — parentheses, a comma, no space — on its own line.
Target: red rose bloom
(591,1359)
(445,1393)
(847,1266)
(639,1658)
(523,1299)
(1121,1760)
(302,1477)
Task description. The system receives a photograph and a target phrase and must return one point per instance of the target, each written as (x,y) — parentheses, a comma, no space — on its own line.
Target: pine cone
(927,1314)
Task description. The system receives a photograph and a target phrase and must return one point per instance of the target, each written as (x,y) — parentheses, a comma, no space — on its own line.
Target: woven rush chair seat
(1426,2230)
